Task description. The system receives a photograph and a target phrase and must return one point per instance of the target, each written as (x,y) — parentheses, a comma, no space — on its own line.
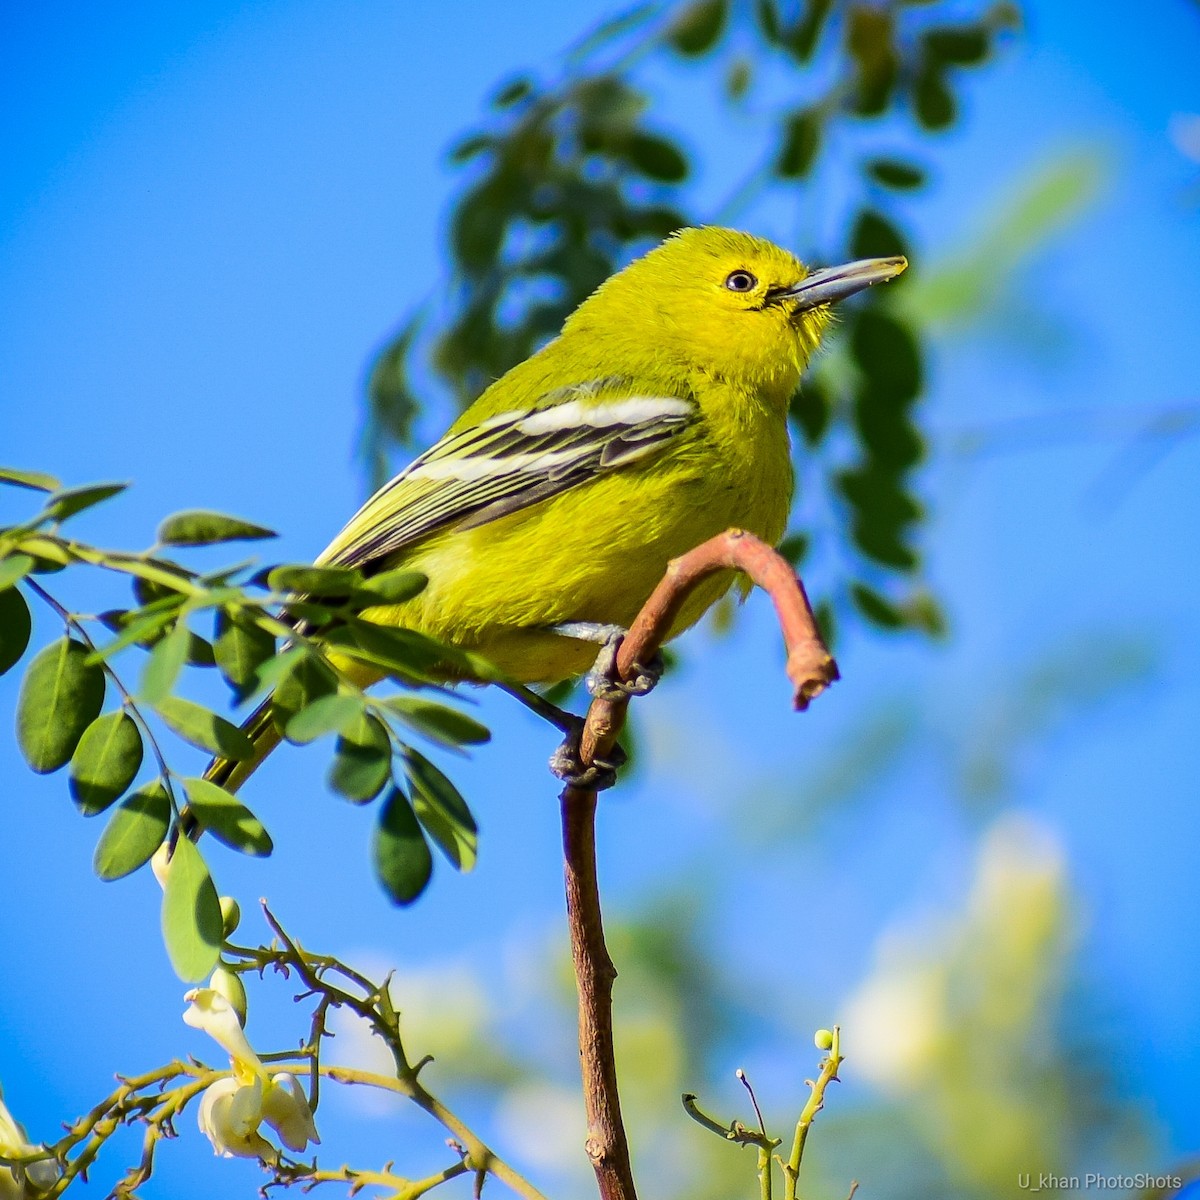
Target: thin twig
(809,667)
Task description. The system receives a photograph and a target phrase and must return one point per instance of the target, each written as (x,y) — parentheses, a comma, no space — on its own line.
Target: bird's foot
(567,763)
(602,680)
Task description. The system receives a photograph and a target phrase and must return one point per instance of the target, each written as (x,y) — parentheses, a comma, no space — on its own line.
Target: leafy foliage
(314,681)
(567,179)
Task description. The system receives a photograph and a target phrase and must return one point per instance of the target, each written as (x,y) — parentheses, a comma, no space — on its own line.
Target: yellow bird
(549,510)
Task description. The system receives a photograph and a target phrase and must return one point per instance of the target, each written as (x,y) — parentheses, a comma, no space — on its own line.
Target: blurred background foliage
(570,176)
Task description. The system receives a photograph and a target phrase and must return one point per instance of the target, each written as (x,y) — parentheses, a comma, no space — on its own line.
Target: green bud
(231,916)
(225,983)
(823,1039)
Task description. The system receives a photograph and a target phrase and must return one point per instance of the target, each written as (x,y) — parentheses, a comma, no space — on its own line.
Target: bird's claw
(567,763)
(603,683)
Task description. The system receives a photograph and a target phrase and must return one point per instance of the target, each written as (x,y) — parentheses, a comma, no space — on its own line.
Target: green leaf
(894,173)
(870,38)
(878,610)
(656,158)
(768,21)
(403,862)
(883,512)
(442,811)
(801,141)
(362,761)
(16,625)
(394,587)
(439,722)
(401,651)
(885,351)
(137,627)
(191,914)
(205,729)
(200,652)
(512,92)
(812,409)
(696,30)
(36,481)
(199,527)
(315,581)
(69,501)
(963,45)
(13,569)
(874,236)
(933,102)
(801,40)
(328,714)
(164,664)
(240,648)
(227,818)
(105,762)
(49,554)
(309,680)
(61,695)
(794,547)
(275,670)
(135,830)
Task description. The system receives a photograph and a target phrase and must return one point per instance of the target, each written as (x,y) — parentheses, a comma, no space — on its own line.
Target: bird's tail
(260,728)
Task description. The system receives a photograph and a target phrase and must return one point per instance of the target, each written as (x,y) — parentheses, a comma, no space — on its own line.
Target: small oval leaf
(314,581)
(442,811)
(16,625)
(438,721)
(105,762)
(200,527)
(362,761)
(227,818)
(13,569)
(166,660)
(403,862)
(191,914)
(36,481)
(69,501)
(205,729)
(394,587)
(325,715)
(133,833)
(61,695)
(240,648)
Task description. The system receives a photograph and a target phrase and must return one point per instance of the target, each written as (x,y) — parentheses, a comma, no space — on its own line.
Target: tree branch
(810,668)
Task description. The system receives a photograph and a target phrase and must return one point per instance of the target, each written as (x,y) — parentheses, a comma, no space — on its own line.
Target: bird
(548,511)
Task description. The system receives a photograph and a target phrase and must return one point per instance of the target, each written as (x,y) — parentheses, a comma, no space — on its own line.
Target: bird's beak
(831,284)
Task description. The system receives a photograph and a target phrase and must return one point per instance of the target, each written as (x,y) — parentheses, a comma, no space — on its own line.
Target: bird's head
(728,304)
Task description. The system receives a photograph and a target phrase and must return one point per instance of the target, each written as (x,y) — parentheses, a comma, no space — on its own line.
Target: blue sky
(212,214)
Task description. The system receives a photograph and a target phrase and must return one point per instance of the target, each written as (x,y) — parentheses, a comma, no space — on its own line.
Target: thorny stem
(377,1010)
(816,1101)
(810,668)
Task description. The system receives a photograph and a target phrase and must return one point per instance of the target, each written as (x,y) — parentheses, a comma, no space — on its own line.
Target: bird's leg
(566,762)
(540,706)
(602,680)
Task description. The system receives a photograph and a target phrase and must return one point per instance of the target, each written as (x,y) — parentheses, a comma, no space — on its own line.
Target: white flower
(233,1108)
(14,1144)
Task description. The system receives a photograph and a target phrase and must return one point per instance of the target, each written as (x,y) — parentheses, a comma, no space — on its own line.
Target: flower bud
(231,916)
(160,864)
(229,984)
(823,1039)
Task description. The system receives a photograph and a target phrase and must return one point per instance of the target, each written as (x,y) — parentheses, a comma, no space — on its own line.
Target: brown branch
(809,667)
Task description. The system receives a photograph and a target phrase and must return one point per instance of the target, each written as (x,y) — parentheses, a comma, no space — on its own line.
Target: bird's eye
(741,281)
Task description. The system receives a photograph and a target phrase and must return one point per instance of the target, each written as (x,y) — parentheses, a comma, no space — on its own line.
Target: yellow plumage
(657,419)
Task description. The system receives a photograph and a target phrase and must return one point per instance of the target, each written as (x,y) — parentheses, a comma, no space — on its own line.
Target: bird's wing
(506,463)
